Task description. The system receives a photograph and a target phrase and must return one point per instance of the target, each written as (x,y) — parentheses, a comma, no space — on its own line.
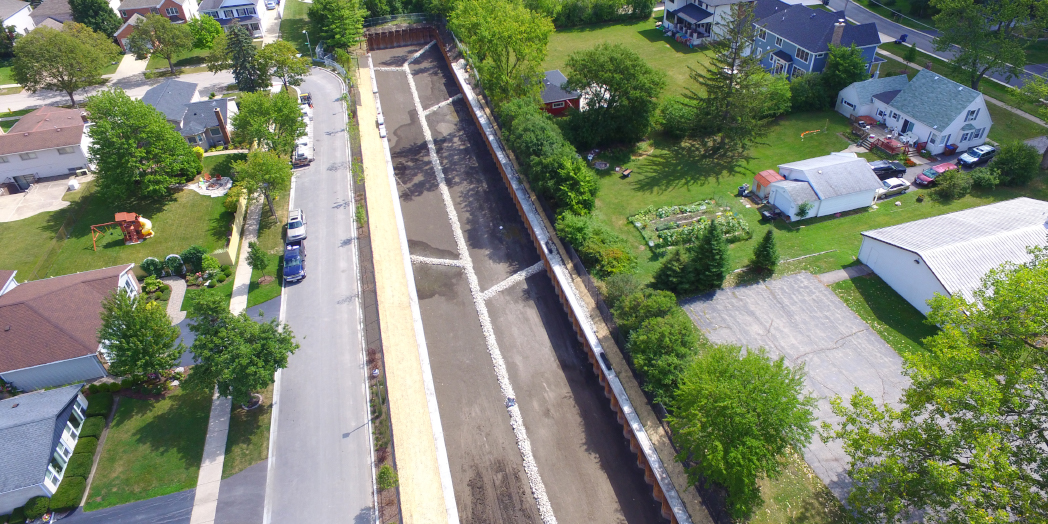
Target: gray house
(204,123)
(830,184)
(38,433)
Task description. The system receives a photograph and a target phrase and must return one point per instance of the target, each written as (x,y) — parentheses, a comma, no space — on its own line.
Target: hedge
(36,507)
(86,445)
(93,427)
(70,493)
(100,404)
(79,465)
(17,516)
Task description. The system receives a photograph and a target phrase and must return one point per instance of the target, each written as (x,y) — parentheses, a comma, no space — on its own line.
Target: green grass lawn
(29,241)
(798,496)
(248,440)
(153,448)
(295,21)
(224,290)
(660,52)
(902,7)
(271,240)
(6,125)
(222,165)
(1037,53)
(194,57)
(892,317)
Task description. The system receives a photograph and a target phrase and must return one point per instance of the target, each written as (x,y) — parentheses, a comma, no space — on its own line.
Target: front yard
(248,440)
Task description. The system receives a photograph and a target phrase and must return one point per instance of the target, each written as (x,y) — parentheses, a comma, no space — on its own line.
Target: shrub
(952,185)
(227,271)
(604,252)
(676,117)
(166,295)
(117,386)
(174,265)
(69,494)
(93,427)
(100,404)
(79,465)
(192,257)
(199,152)
(221,278)
(387,477)
(984,178)
(635,309)
(92,388)
(807,93)
(153,267)
(17,516)
(661,349)
(617,287)
(672,274)
(210,265)
(86,445)
(36,507)
(151,284)
(125,384)
(211,284)
(804,208)
(1016,164)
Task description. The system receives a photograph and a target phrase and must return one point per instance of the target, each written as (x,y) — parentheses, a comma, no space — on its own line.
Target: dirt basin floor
(585,464)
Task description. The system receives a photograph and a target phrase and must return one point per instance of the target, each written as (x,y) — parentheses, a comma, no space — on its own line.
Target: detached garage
(950,254)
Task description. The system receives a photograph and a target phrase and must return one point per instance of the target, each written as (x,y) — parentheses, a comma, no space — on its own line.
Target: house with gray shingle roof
(834,183)
(556,97)
(204,123)
(796,40)
(937,110)
(38,433)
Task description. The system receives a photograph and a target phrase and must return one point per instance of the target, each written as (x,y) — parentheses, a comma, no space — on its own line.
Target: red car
(927,177)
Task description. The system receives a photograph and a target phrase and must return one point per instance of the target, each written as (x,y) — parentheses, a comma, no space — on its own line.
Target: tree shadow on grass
(98,210)
(223,164)
(181,428)
(681,165)
(220,227)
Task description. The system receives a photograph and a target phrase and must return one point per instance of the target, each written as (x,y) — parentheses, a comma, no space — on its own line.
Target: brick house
(178,11)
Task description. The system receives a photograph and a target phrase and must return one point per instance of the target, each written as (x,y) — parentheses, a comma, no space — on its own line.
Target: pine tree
(673,275)
(765,255)
(709,259)
(241,52)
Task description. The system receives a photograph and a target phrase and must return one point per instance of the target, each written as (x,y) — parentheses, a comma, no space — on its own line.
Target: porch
(690,25)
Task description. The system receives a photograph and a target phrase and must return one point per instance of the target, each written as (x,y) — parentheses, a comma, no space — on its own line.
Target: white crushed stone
(436,261)
(444,103)
(516,277)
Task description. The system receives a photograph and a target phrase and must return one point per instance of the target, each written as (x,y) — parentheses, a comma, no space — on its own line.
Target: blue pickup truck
(295,261)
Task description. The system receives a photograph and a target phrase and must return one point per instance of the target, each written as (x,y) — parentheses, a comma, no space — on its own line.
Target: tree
(1033,90)
(234,353)
(910,56)
(955,184)
(238,53)
(622,94)
(661,349)
(284,61)
(987,37)
(844,66)
(269,121)
(967,442)
(808,93)
(341,22)
(803,209)
(708,259)
(672,275)
(633,310)
(9,35)
(257,258)
(138,335)
(68,60)
(158,35)
(136,150)
(1016,164)
(263,173)
(507,43)
(729,111)
(765,255)
(206,31)
(777,99)
(96,14)
(735,416)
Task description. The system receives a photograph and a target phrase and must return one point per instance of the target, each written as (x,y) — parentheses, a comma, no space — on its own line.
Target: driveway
(41,197)
(801,319)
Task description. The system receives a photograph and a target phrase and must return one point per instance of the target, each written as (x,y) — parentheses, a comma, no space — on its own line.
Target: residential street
(135,86)
(320,461)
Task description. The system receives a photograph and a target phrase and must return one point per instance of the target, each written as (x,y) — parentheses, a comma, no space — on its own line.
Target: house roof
(171,97)
(52,23)
(887,96)
(782,55)
(45,128)
(9,8)
(715,3)
(28,425)
(934,100)
(56,9)
(54,319)
(693,13)
(866,89)
(765,8)
(813,29)
(201,115)
(799,191)
(553,88)
(836,174)
(214,5)
(767,177)
(5,276)
(130,22)
(139,4)
(961,247)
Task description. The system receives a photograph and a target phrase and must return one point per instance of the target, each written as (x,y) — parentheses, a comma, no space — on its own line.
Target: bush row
(93,427)
(99,404)
(604,252)
(580,12)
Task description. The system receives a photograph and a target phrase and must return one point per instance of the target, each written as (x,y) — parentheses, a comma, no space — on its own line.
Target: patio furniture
(627,173)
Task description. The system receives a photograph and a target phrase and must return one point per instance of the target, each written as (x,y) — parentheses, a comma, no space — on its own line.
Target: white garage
(950,254)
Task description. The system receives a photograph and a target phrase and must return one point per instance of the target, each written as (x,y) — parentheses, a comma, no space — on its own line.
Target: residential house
(556,98)
(245,13)
(703,20)
(204,123)
(38,433)
(53,13)
(939,111)
(830,184)
(796,41)
(50,327)
(48,142)
(178,11)
(950,254)
(18,14)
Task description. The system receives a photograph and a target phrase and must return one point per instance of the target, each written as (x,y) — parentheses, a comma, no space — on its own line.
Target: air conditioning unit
(81,172)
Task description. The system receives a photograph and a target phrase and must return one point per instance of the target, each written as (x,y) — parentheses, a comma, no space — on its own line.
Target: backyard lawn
(797,496)
(153,448)
(222,165)
(248,440)
(894,319)
(292,24)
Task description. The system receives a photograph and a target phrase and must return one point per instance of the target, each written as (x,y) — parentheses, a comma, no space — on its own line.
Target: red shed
(763,180)
(556,99)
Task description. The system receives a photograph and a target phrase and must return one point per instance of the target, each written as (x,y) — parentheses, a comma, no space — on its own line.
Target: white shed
(951,253)
(833,183)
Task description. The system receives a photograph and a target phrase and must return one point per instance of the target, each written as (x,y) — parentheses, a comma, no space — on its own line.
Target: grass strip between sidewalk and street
(247,443)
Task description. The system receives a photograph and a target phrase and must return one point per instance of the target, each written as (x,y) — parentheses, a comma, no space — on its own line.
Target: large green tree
(341,22)
(661,349)
(158,35)
(708,259)
(734,418)
(988,37)
(138,335)
(269,121)
(96,14)
(263,173)
(205,30)
(623,94)
(68,60)
(284,62)
(235,354)
(506,42)
(844,66)
(1033,91)
(967,443)
(137,152)
(235,50)
(636,308)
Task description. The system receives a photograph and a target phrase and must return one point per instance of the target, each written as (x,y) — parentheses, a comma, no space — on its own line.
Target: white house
(704,19)
(830,184)
(47,142)
(950,254)
(50,327)
(38,433)
(18,14)
(937,110)
(245,13)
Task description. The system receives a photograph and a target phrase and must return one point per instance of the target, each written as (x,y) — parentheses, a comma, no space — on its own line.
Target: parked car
(271,4)
(893,186)
(294,261)
(296,225)
(977,155)
(927,177)
(885,169)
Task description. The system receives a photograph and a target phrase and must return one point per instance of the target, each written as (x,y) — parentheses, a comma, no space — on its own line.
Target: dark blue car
(294,261)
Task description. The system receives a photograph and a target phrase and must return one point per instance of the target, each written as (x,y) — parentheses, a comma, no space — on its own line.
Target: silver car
(296,225)
(892,186)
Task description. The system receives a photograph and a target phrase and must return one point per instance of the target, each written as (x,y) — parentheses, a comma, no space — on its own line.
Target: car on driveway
(885,169)
(294,261)
(271,4)
(892,186)
(296,225)
(927,177)
(977,155)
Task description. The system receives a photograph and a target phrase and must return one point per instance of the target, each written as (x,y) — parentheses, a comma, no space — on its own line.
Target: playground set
(134,227)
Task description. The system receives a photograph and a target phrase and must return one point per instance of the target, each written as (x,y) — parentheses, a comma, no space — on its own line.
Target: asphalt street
(135,86)
(320,460)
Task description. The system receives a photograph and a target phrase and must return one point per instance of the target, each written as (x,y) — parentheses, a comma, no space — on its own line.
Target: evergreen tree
(765,255)
(246,69)
(673,275)
(95,14)
(708,266)
(341,22)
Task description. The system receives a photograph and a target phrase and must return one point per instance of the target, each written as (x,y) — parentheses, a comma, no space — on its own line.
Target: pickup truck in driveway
(295,261)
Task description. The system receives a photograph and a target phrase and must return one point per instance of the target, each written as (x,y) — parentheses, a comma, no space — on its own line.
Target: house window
(66,150)
(798,72)
(802,55)
(558,105)
(191,139)
(27,156)
(880,112)
(228,13)
(63,450)
(216,131)
(154,10)
(130,287)
(762,34)
(778,41)
(895,116)
(250,11)
(254,27)
(171,11)
(931,139)
(847,103)
(978,133)
(820,55)
(965,137)
(972,115)
(79,419)
(123,14)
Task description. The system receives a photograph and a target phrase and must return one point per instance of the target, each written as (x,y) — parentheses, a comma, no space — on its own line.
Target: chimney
(838,31)
(222,125)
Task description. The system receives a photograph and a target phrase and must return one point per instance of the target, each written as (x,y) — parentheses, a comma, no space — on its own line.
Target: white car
(892,186)
(271,4)
(296,225)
